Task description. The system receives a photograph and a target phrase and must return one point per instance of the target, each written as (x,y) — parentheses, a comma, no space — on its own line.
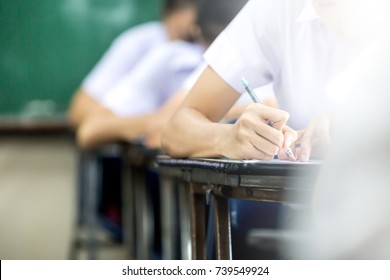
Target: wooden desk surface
(14,125)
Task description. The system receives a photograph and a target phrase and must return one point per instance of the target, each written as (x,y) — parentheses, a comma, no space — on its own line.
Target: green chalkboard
(48,46)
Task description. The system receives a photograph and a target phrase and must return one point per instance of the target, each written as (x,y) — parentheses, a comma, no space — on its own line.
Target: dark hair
(173,5)
(215,15)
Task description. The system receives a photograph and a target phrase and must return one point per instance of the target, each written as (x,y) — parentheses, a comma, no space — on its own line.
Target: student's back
(123,55)
(150,84)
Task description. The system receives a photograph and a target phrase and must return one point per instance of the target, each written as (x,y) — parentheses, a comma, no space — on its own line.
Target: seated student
(161,117)
(128,50)
(280,41)
(130,106)
(291,43)
(351,199)
(124,111)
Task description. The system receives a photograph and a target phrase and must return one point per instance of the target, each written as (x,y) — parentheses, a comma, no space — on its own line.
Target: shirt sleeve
(124,53)
(244,48)
(157,77)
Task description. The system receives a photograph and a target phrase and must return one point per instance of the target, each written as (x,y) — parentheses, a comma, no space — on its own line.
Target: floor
(37,199)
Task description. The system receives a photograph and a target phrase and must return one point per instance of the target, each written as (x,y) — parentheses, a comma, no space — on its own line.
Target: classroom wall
(48,46)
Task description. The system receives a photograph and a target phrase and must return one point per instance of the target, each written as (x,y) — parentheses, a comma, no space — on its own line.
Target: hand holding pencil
(286,145)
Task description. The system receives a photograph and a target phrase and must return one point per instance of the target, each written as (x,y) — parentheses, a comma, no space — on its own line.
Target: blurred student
(352,197)
(293,43)
(134,103)
(134,51)
(125,109)
(128,50)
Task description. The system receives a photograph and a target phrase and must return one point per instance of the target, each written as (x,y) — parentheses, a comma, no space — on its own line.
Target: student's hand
(313,141)
(252,138)
(290,137)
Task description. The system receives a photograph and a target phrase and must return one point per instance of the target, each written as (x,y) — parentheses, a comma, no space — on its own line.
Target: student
(352,195)
(128,109)
(128,50)
(157,124)
(287,42)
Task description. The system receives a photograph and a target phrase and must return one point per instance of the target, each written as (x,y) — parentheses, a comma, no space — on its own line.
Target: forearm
(97,131)
(170,107)
(82,105)
(202,138)
(235,112)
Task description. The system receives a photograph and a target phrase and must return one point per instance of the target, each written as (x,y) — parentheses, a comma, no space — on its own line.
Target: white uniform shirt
(351,200)
(125,52)
(263,92)
(156,78)
(284,42)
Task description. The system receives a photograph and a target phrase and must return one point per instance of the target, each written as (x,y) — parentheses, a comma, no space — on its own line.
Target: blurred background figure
(132,107)
(126,108)
(46,49)
(128,50)
(351,202)
(143,67)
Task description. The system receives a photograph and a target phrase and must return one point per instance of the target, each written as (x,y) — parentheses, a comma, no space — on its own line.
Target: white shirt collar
(308,13)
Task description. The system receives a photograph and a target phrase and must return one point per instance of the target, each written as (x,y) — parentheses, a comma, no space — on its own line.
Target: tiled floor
(37,199)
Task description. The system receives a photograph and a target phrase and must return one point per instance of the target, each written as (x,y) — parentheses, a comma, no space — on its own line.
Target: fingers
(290,136)
(250,151)
(264,145)
(258,139)
(265,113)
(283,155)
(254,144)
(269,133)
(305,148)
(288,152)
(314,140)
(263,140)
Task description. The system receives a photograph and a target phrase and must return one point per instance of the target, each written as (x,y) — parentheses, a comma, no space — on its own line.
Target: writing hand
(251,138)
(314,140)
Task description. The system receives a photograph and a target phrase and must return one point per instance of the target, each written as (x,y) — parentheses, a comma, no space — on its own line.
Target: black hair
(173,5)
(215,15)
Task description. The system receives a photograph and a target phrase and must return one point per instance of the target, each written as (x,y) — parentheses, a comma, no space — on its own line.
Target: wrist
(221,145)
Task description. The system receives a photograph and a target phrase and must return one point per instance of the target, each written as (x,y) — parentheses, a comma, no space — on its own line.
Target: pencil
(255,99)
